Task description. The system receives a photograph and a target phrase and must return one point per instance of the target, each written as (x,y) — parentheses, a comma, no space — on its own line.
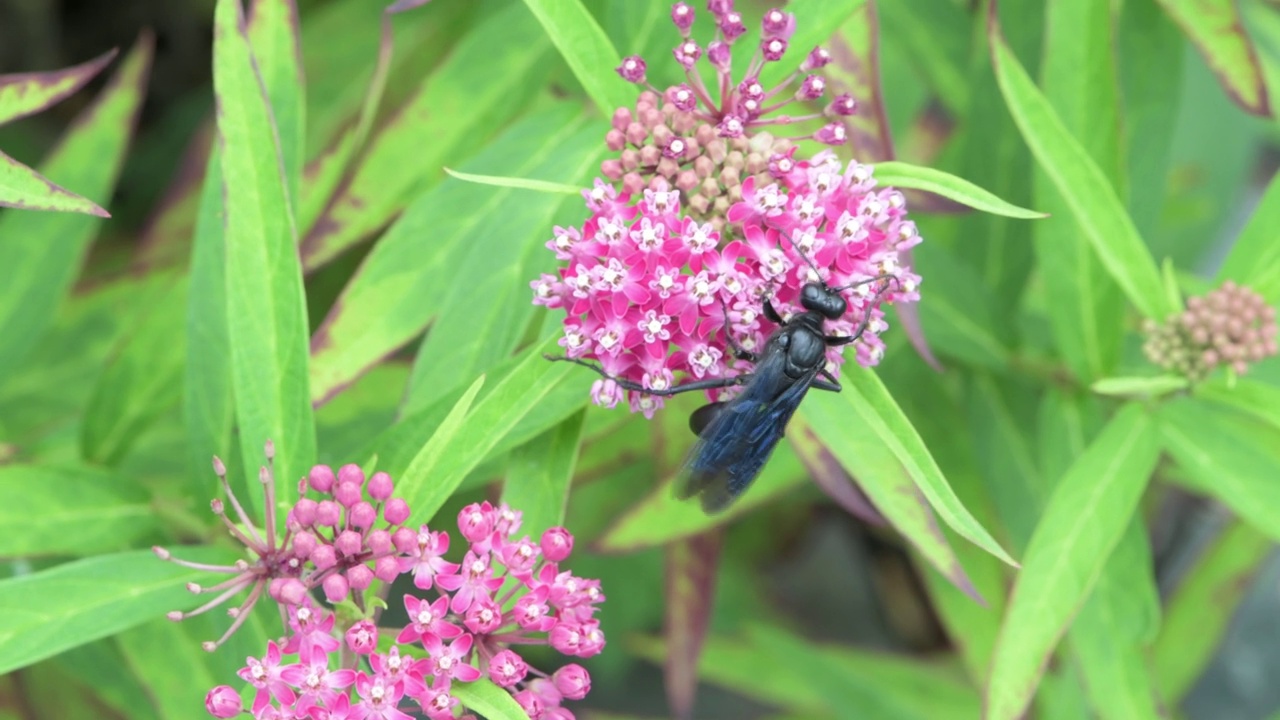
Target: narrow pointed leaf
(1254,259)
(23,94)
(1082,523)
(1255,398)
(883,477)
(1216,29)
(25,189)
(89,157)
(905,175)
(519,183)
(587,51)
(266,308)
(207,408)
(78,602)
(1152,386)
(880,415)
(274,36)
(1083,185)
(419,479)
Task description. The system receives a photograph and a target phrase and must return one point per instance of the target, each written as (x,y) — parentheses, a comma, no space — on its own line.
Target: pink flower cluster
(507,590)
(646,291)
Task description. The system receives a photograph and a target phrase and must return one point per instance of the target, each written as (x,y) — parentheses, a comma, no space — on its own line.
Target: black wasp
(737,436)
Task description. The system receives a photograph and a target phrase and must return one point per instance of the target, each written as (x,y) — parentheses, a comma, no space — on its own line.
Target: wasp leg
(771,313)
(831,384)
(738,351)
(706,384)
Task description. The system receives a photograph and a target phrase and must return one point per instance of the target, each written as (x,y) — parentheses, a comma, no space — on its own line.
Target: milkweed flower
(655,296)
(1231,326)
(464,619)
(706,211)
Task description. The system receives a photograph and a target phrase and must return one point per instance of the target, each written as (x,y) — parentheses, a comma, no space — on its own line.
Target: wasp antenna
(868,281)
(800,252)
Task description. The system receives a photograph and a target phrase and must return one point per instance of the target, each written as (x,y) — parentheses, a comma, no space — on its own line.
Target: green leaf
(587,50)
(489,700)
(42,253)
(78,602)
(143,379)
(1232,457)
(936,35)
(1005,456)
(492,419)
(826,680)
(1115,625)
(518,183)
(879,414)
(414,270)
(540,473)
(1153,386)
(100,666)
(419,480)
(904,175)
(1258,399)
(23,94)
(959,312)
(25,189)
(1081,525)
(1215,28)
(1200,609)
(1083,185)
(208,411)
(1254,259)
(398,165)
(1081,83)
(878,472)
(50,510)
(273,31)
(266,308)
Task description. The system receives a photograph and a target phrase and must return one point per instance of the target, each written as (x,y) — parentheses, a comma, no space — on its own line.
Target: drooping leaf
(1217,31)
(1082,523)
(78,602)
(266,308)
(41,252)
(1083,185)
(905,175)
(25,189)
(419,479)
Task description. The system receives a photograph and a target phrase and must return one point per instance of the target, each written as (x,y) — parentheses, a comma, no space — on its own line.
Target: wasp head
(821,299)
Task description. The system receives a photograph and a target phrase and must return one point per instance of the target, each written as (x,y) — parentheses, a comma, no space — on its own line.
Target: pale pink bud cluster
(1229,327)
(649,293)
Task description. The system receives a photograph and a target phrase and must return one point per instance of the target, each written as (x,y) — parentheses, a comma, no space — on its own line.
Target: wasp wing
(737,442)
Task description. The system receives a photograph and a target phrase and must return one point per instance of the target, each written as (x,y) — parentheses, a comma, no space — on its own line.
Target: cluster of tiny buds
(332,541)
(1229,327)
(660,147)
(706,147)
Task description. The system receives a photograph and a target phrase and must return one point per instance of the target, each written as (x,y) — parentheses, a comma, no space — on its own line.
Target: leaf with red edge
(25,189)
(690,596)
(1215,28)
(41,253)
(23,94)
(855,69)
